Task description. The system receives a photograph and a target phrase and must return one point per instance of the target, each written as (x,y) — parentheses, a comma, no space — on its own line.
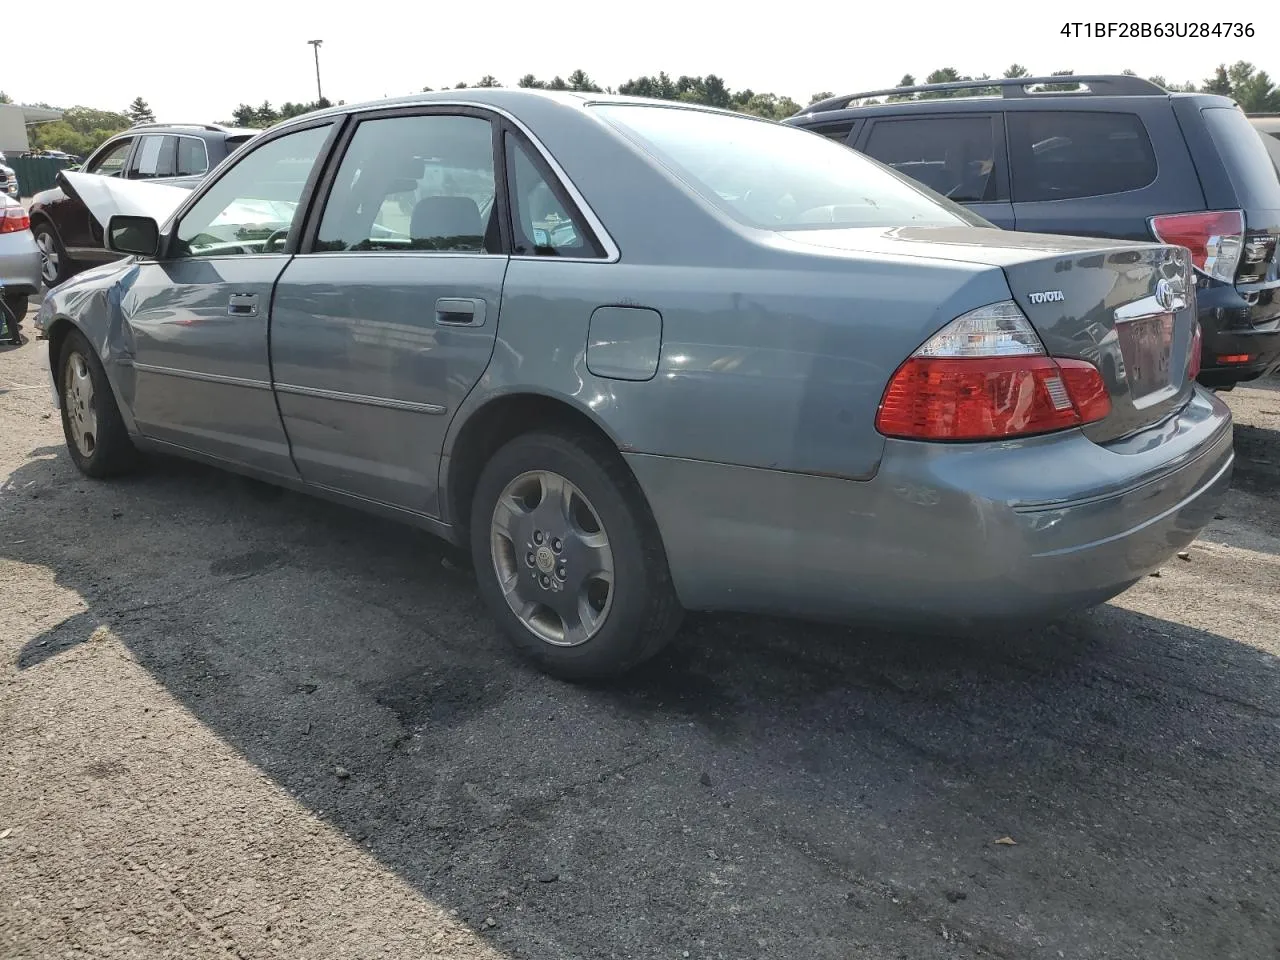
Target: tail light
(1214,237)
(1193,355)
(14,219)
(986,376)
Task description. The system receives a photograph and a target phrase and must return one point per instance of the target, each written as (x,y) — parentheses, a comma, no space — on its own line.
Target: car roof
(502,98)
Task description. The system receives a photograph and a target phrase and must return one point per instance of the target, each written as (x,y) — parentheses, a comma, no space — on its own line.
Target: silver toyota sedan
(645,357)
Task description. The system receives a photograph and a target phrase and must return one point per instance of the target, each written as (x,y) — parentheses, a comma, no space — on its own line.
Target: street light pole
(315,44)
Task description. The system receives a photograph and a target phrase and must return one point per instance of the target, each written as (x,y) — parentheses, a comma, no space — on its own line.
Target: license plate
(1147,348)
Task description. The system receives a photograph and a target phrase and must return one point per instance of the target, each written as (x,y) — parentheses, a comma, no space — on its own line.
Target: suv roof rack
(1102,85)
(213,127)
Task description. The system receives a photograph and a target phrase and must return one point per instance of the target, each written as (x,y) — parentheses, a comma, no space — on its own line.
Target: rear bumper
(19,263)
(985,533)
(1227,322)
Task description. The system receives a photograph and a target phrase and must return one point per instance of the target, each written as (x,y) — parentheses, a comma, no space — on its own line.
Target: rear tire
(568,557)
(17,304)
(55,265)
(96,436)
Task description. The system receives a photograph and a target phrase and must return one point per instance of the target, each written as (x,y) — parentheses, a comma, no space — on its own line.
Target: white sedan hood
(107,196)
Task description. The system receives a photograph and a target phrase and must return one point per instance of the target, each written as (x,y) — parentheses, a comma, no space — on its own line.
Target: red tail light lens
(14,219)
(1193,356)
(985,376)
(1214,237)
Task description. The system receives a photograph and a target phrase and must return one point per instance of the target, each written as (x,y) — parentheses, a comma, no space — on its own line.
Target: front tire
(568,557)
(96,436)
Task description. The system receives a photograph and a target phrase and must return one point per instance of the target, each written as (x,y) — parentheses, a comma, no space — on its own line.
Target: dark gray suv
(1121,158)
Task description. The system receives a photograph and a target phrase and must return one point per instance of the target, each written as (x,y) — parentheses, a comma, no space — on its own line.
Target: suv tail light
(986,376)
(1214,237)
(14,219)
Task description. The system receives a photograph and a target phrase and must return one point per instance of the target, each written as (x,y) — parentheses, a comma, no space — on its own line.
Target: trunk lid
(1127,308)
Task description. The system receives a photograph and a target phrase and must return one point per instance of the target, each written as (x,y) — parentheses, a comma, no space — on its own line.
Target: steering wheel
(266,246)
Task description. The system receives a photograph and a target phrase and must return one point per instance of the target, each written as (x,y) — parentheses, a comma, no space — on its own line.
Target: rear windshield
(1249,165)
(778,177)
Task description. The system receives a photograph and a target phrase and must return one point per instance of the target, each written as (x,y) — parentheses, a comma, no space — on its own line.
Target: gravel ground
(239,722)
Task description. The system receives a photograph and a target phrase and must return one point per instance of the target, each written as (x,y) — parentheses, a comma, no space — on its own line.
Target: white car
(19,257)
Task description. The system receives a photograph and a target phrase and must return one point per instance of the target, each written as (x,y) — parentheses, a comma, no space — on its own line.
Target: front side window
(1065,154)
(954,156)
(778,177)
(542,219)
(251,209)
(415,183)
(153,158)
(193,158)
(110,162)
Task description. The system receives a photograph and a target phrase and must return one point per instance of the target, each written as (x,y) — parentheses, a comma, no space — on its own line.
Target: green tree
(1066,87)
(1016,70)
(907,81)
(557,83)
(578,80)
(1219,83)
(265,115)
(530,82)
(140,111)
(488,80)
(5,98)
(244,116)
(1253,89)
(824,95)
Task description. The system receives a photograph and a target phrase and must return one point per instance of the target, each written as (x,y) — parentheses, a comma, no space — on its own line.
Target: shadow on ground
(766,789)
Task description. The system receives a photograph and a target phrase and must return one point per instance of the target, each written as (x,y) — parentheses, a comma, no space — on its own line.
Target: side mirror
(134,236)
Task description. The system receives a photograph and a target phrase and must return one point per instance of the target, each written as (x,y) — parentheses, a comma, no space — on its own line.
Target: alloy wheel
(552,558)
(77,394)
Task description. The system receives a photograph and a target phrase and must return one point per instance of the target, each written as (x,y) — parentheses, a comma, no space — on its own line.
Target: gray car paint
(753,440)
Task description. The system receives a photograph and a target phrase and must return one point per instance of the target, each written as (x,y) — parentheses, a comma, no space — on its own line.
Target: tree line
(82,129)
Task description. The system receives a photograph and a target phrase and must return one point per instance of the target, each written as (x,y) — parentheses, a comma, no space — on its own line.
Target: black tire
(17,304)
(45,234)
(111,451)
(643,613)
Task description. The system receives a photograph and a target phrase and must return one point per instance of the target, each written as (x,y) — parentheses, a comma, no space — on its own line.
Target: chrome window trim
(611,251)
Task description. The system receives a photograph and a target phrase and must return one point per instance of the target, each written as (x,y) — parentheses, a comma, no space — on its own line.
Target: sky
(196,62)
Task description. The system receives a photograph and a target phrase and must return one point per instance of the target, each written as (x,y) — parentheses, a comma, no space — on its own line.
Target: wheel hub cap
(77,395)
(552,558)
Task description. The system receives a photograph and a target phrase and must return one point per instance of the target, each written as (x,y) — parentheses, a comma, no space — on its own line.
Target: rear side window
(775,176)
(953,155)
(1249,166)
(153,158)
(193,158)
(1063,155)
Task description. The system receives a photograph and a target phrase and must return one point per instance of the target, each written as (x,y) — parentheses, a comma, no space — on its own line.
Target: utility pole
(315,44)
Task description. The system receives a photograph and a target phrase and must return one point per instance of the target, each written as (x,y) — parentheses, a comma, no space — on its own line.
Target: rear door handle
(243,305)
(458,312)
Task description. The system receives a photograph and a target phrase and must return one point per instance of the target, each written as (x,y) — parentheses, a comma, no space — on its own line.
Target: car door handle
(460,312)
(243,305)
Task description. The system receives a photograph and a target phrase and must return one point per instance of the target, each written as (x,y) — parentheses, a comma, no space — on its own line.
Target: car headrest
(446,223)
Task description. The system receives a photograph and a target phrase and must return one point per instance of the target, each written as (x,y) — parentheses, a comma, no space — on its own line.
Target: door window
(953,155)
(251,209)
(193,157)
(110,162)
(542,217)
(1065,154)
(414,184)
(153,158)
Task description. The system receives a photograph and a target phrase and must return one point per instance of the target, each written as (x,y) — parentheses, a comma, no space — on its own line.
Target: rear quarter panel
(780,365)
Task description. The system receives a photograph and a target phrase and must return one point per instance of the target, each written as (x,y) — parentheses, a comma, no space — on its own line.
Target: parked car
(809,387)
(9,185)
(19,258)
(1120,158)
(177,154)
(1268,127)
